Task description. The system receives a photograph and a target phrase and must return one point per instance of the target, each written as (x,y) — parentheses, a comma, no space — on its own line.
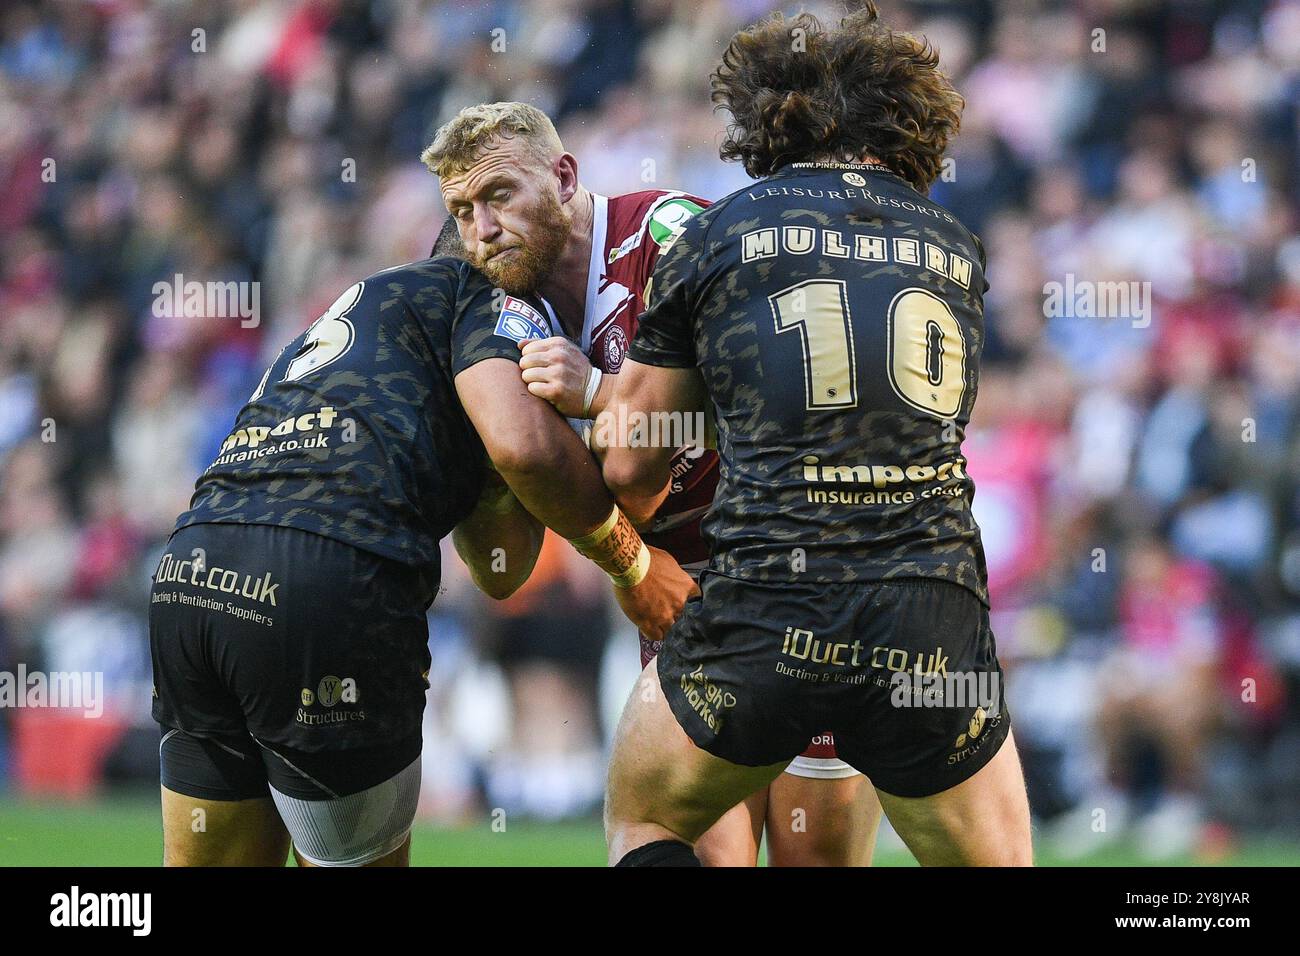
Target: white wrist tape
(589,392)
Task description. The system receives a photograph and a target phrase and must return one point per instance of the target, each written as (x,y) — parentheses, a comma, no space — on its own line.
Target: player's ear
(566,171)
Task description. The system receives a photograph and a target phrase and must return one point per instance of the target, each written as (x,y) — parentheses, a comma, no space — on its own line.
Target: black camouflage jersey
(836,316)
(356,432)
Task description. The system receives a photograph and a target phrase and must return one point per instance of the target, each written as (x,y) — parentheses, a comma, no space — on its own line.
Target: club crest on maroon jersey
(615,349)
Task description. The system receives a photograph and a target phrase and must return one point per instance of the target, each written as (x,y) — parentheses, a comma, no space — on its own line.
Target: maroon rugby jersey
(629,233)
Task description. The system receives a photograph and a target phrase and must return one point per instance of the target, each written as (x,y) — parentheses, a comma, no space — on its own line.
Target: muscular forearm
(636,476)
(563,487)
(641,509)
(555,477)
(637,471)
(499,542)
(604,394)
(558,481)
(545,463)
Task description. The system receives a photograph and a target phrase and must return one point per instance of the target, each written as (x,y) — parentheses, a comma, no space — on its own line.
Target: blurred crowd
(1138,471)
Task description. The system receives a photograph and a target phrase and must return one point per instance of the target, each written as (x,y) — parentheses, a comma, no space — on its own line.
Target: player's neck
(864,159)
(566,286)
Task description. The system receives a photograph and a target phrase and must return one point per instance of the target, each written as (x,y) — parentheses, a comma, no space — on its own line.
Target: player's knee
(661,853)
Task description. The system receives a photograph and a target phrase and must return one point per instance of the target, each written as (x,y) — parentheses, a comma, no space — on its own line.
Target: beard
(529,264)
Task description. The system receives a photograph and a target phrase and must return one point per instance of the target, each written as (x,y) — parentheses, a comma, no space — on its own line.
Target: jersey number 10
(926,350)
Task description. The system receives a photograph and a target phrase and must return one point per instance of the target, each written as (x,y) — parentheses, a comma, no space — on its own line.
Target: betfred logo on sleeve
(519,321)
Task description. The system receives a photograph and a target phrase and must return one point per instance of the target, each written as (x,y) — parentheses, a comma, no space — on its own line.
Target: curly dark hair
(799,92)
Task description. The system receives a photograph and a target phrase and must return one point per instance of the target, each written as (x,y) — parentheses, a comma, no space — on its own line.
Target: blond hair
(462,139)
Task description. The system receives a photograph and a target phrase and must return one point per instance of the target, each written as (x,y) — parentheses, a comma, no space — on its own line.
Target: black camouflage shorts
(904,673)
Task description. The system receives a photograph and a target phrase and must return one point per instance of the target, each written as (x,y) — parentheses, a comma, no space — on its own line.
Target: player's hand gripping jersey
(837,319)
(355,432)
(630,232)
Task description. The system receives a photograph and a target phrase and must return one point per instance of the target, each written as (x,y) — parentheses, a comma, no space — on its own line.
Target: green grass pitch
(126,832)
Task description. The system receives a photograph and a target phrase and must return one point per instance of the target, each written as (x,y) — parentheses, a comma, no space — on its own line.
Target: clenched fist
(655,603)
(555,369)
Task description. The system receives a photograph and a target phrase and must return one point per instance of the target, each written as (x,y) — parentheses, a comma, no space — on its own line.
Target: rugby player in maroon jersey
(523,217)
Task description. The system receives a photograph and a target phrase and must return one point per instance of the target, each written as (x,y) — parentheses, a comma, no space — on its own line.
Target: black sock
(661,853)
